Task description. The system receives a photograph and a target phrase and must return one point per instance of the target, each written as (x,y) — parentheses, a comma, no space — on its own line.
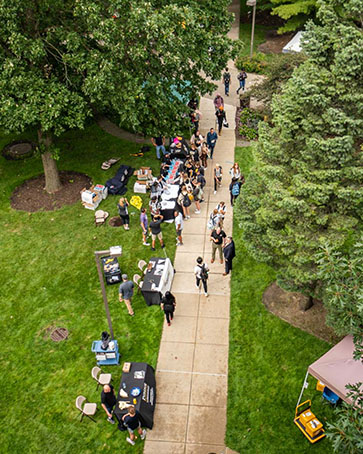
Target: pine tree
(306,187)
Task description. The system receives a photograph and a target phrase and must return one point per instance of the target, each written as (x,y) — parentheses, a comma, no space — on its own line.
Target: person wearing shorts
(179,224)
(155,230)
(126,292)
(132,422)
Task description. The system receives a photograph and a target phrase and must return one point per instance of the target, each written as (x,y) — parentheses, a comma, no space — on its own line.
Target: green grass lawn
(268,360)
(49,278)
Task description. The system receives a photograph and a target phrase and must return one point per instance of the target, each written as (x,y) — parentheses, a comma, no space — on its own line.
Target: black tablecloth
(152,296)
(146,400)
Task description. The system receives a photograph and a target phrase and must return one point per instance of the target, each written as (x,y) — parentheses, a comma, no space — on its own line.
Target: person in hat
(126,292)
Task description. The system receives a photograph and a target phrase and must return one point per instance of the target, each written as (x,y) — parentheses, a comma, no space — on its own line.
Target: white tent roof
(294,45)
(337,368)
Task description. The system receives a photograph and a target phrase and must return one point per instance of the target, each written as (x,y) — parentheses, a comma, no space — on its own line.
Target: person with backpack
(214,220)
(234,189)
(218,101)
(185,202)
(168,304)
(226,81)
(201,275)
(221,118)
(217,173)
(242,76)
(197,195)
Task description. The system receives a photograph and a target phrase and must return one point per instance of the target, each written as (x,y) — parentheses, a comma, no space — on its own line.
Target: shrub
(257,64)
(248,124)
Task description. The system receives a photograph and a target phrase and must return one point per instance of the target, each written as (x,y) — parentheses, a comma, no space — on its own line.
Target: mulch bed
(286,306)
(275,43)
(31,196)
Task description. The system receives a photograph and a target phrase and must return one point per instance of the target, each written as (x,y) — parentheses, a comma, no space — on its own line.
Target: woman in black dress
(168,304)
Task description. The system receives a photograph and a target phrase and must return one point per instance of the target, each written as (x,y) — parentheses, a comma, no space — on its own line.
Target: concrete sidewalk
(192,368)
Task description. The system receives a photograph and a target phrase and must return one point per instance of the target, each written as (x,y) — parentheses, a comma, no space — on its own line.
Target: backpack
(186,201)
(203,273)
(212,222)
(168,307)
(235,189)
(226,78)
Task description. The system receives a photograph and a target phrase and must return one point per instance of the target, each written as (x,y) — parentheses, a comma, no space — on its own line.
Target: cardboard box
(140,187)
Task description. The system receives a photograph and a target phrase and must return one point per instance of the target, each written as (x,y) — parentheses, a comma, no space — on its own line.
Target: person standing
(222,209)
(168,304)
(226,81)
(221,117)
(217,238)
(126,292)
(217,173)
(184,202)
(155,229)
(179,225)
(108,401)
(235,171)
(132,421)
(159,144)
(218,101)
(197,195)
(204,156)
(212,138)
(201,275)
(124,212)
(242,76)
(234,189)
(229,253)
(144,226)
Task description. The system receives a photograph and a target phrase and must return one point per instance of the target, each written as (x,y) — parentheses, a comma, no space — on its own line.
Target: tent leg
(305,385)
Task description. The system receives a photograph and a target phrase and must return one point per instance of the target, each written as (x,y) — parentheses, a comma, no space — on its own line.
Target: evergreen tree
(294,12)
(143,59)
(306,187)
(342,278)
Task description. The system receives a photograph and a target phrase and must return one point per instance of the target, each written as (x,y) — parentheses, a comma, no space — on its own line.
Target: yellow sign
(136,201)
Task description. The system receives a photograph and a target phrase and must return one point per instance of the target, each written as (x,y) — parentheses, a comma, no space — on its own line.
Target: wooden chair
(101,379)
(86,408)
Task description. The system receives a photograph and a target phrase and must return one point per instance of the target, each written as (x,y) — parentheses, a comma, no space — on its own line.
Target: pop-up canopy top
(337,368)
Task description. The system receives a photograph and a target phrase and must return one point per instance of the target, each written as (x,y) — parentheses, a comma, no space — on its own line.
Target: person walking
(201,275)
(217,174)
(222,209)
(234,189)
(242,76)
(144,226)
(218,101)
(226,81)
(126,292)
(212,138)
(168,304)
(124,212)
(132,421)
(155,230)
(108,401)
(179,225)
(159,144)
(217,237)
(229,253)
(221,117)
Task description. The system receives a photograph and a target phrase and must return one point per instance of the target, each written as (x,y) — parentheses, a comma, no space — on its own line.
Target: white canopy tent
(293,45)
(336,369)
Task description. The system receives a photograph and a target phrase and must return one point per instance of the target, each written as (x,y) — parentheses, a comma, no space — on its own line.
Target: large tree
(59,59)
(306,187)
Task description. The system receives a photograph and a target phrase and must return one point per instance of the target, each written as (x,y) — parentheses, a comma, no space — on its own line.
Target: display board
(111,270)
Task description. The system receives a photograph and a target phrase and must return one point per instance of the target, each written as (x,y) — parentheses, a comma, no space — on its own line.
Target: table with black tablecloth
(145,402)
(158,280)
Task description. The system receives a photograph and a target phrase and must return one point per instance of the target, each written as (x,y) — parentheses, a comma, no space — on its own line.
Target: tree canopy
(306,187)
(60,59)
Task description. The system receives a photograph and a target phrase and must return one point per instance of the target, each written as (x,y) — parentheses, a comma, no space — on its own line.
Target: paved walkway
(192,369)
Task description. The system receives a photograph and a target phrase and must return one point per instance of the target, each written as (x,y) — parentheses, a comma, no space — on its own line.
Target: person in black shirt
(132,421)
(168,304)
(217,238)
(159,144)
(108,401)
(155,230)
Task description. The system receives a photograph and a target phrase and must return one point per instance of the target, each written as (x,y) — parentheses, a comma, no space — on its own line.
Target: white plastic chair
(141,265)
(86,408)
(101,379)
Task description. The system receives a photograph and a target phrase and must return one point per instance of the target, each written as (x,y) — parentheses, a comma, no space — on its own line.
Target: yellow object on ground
(136,201)
(320,386)
(306,421)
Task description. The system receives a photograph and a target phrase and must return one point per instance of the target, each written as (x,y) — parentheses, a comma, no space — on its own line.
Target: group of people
(241,77)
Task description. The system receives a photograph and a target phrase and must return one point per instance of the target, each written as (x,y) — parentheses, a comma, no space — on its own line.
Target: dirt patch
(115,221)
(286,306)
(274,43)
(32,197)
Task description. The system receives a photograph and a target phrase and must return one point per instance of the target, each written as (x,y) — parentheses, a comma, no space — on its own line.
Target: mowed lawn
(49,278)
(268,360)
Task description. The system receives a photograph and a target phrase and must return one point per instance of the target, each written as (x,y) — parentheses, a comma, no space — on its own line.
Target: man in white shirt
(179,224)
(201,274)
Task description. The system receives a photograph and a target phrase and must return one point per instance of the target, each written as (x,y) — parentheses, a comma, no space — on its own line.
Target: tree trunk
(52,179)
